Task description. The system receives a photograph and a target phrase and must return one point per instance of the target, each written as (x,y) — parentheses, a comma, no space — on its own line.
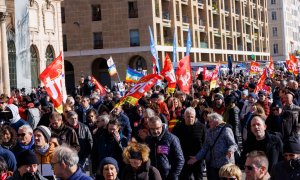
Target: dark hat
(253,95)
(261,92)
(154,96)
(230,99)
(252,86)
(277,104)
(45,131)
(219,96)
(26,157)
(290,92)
(44,102)
(292,145)
(108,160)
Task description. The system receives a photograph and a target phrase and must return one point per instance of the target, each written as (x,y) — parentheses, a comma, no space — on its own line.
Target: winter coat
(286,170)
(231,116)
(125,125)
(9,158)
(45,159)
(33,117)
(67,135)
(216,156)
(82,113)
(107,146)
(17,176)
(146,172)
(79,175)
(272,146)
(166,154)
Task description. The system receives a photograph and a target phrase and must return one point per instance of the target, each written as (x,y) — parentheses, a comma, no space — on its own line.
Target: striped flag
(133,76)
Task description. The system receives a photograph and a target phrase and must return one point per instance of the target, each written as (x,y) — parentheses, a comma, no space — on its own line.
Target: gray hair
(215,117)
(71,113)
(161,97)
(104,118)
(259,158)
(67,155)
(155,119)
(150,112)
(27,128)
(70,100)
(190,110)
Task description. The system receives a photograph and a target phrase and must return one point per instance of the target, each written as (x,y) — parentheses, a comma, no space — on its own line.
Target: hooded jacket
(166,154)
(16,121)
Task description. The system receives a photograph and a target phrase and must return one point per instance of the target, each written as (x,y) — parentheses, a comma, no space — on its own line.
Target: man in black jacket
(191,134)
(166,153)
(84,136)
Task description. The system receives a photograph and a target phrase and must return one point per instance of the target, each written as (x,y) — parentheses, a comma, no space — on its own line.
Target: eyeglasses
(249,168)
(290,155)
(21,134)
(52,164)
(226,178)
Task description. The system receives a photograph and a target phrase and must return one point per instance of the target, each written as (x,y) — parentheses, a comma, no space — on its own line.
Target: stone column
(4,55)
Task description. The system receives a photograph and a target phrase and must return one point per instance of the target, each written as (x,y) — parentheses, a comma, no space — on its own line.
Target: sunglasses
(249,168)
(21,134)
(290,155)
(226,178)
(275,109)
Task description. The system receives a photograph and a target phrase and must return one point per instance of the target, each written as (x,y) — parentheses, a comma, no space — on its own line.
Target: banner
(52,80)
(98,87)
(254,68)
(188,43)
(271,68)
(261,83)
(183,75)
(168,74)
(133,76)
(111,67)
(135,93)
(155,63)
(292,65)
(214,78)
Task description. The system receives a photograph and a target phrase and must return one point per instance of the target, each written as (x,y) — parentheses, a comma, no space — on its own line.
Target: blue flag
(153,50)
(230,64)
(174,48)
(188,43)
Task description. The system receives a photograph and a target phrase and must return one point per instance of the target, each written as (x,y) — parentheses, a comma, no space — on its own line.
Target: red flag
(254,67)
(168,74)
(292,65)
(261,82)
(271,68)
(136,92)
(183,74)
(214,78)
(52,80)
(98,86)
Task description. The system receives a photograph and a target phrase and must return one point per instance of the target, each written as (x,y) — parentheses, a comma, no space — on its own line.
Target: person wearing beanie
(108,169)
(289,168)
(64,164)
(44,150)
(218,104)
(27,167)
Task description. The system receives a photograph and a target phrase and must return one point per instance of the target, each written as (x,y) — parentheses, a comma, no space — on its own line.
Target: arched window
(12,63)
(49,54)
(34,67)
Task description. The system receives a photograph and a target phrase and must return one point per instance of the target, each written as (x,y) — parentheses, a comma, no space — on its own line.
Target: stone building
(31,37)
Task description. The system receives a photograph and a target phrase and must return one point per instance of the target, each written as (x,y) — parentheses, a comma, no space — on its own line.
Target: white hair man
(25,139)
(64,164)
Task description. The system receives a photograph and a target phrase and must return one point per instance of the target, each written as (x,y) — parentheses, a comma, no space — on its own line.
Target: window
(274,17)
(49,55)
(63,16)
(98,40)
(65,45)
(96,12)
(134,37)
(273,1)
(133,10)
(274,29)
(275,48)
(34,66)
(12,63)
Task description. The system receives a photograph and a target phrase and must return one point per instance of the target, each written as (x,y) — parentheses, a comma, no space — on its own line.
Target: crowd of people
(219,132)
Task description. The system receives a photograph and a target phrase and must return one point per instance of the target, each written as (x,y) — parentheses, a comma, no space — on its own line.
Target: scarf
(43,150)
(26,147)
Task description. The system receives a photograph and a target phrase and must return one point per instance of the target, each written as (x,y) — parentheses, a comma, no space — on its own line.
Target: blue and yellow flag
(133,76)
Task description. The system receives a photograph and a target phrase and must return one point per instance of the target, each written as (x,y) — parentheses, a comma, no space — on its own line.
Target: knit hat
(292,145)
(26,157)
(277,104)
(45,131)
(252,86)
(252,95)
(108,160)
(261,92)
(219,96)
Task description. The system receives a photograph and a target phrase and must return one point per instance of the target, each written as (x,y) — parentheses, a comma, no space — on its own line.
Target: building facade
(95,30)
(284,27)
(32,35)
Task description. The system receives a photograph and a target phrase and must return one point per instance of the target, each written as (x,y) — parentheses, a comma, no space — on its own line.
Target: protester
(9,137)
(136,158)
(229,172)
(165,150)
(108,169)
(82,110)
(8,156)
(218,148)
(124,121)
(64,164)
(44,150)
(27,164)
(191,134)
(64,133)
(25,140)
(256,166)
